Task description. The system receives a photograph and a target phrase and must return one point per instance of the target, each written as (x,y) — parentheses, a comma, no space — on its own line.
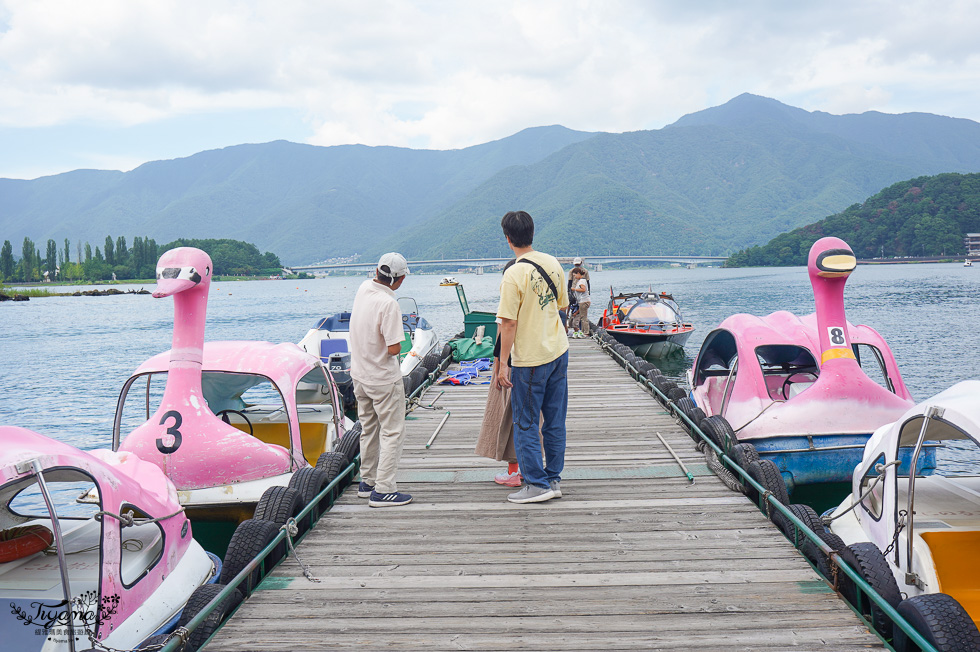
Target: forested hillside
(305,203)
(925,216)
(714,182)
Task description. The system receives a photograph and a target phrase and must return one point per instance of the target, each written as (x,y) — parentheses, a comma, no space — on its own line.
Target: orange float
(20,542)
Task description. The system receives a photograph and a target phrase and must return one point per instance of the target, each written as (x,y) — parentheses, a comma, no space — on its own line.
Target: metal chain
(898,529)
(180,633)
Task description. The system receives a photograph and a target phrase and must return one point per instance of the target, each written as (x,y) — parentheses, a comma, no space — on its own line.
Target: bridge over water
(477,264)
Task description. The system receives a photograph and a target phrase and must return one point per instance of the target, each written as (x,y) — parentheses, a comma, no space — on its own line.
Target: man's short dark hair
(519,228)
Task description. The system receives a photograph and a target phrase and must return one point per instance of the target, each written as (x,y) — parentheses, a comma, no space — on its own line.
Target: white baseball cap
(577,261)
(393,265)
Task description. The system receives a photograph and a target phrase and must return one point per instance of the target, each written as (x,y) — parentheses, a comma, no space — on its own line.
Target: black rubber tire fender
(250,538)
(278,505)
(676,394)
(767,474)
(941,620)
(407,383)
(718,429)
(309,482)
(806,514)
(350,444)
(418,375)
(332,464)
(821,561)
(643,366)
(744,453)
(653,373)
(684,405)
(871,565)
(431,361)
(697,416)
(199,599)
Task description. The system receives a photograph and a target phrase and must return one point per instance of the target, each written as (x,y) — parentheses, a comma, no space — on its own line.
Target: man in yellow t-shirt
(532,292)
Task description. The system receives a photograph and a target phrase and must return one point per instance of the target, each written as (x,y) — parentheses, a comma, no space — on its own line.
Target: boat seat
(957,566)
(332,346)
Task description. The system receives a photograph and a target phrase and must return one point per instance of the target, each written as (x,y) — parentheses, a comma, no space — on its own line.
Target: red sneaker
(509,479)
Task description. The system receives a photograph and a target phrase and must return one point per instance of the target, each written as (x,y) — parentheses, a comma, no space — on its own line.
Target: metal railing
(314,509)
(865,592)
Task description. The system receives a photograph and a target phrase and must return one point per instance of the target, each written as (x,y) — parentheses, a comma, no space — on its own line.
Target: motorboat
(108,570)
(330,339)
(924,528)
(807,391)
(967,263)
(225,421)
(449,281)
(649,323)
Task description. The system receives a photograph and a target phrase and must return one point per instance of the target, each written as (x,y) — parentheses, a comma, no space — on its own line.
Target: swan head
(182,269)
(831,258)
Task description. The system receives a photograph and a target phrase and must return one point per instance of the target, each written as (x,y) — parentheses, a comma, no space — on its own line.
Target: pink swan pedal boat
(798,388)
(280,408)
(125,579)
(920,535)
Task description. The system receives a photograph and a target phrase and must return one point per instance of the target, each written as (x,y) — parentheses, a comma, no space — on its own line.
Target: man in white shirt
(376,335)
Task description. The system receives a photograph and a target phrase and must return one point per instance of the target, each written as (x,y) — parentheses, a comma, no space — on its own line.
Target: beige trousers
(580,320)
(381,410)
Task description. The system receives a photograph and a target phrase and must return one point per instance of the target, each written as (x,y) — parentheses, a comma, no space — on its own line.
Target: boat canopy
(285,361)
(959,418)
(121,478)
(787,342)
(231,368)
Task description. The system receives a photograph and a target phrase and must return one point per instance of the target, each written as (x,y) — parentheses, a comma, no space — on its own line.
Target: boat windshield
(786,369)
(21,499)
(222,391)
(408,306)
(873,364)
(645,312)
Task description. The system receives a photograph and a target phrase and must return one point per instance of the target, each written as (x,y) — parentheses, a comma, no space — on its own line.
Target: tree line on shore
(925,216)
(116,259)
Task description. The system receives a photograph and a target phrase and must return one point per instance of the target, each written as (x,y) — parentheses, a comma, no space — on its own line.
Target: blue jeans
(541,390)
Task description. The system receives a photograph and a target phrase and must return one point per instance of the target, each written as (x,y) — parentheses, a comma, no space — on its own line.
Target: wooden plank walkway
(633,556)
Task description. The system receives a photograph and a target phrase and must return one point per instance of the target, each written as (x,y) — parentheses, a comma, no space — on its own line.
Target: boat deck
(632,557)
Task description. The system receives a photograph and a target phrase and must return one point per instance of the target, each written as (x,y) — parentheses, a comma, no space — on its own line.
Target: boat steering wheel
(798,377)
(223,415)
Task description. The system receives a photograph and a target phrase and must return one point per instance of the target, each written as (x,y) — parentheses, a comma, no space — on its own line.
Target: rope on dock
(726,476)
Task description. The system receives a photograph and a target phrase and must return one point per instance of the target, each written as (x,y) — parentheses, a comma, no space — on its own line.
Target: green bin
(473,319)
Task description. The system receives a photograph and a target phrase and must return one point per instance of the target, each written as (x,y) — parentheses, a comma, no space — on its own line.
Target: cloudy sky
(111,84)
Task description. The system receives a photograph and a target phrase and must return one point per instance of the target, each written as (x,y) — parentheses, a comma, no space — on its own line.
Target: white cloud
(429,73)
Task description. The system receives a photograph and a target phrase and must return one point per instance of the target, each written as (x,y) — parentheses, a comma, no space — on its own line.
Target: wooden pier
(633,556)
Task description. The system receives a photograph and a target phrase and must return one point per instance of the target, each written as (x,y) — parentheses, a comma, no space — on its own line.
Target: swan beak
(171,280)
(835,263)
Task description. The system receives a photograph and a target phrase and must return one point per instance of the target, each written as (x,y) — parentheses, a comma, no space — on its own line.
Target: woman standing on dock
(496,439)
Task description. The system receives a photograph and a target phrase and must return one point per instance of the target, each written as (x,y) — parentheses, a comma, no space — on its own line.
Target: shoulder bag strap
(547,277)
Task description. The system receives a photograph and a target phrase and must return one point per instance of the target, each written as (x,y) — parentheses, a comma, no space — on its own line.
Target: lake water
(63,360)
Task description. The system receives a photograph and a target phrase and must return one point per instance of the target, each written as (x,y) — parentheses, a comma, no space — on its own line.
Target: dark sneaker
(364,490)
(530,493)
(556,487)
(389,500)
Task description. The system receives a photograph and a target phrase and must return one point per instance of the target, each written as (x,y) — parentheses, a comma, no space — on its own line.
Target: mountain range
(714,181)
